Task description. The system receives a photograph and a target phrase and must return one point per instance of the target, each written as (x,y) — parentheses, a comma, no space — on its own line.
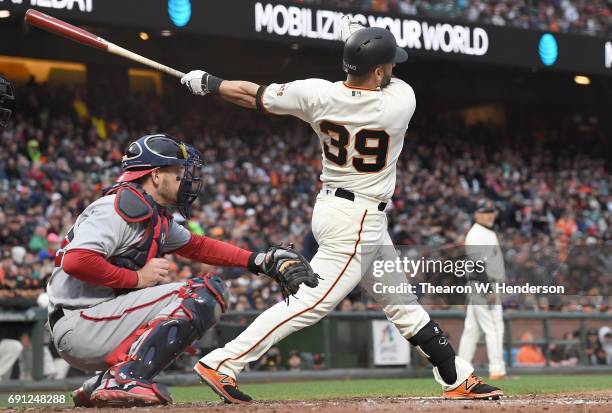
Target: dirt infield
(596,402)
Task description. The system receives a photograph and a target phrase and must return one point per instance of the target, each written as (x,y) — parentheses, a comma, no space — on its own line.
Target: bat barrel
(61,28)
(67,30)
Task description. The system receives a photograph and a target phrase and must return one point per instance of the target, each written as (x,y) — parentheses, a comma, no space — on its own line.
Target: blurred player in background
(361,124)
(484,313)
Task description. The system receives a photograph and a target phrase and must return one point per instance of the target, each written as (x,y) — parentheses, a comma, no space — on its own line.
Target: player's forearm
(92,267)
(214,252)
(239,92)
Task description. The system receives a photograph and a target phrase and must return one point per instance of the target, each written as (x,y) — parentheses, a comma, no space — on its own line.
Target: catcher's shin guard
(430,341)
(166,339)
(161,343)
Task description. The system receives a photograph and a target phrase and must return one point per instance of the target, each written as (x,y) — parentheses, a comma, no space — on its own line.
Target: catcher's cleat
(118,390)
(132,395)
(81,399)
(82,396)
(222,384)
(473,388)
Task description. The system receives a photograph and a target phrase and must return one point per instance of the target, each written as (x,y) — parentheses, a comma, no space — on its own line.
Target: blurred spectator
(318,362)
(346,305)
(591,17)
(594,350)
(271,361)
(605,340)
(530,354)
(294,361)
(565,354)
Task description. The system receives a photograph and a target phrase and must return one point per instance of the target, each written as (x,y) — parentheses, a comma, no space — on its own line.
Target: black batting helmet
(369,47)
(6,93)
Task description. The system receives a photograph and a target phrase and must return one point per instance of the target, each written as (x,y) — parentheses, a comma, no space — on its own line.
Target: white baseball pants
(342,228)
(490,320)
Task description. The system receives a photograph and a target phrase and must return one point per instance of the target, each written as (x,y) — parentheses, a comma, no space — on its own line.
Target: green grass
(332,389)
(338,389)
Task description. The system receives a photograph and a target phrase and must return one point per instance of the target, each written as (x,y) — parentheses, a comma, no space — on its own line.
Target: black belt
(343,193)
(55,316)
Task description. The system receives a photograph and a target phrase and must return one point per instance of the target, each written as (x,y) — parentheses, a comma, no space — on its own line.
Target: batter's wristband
(258,98)
(213,83)
(252,266)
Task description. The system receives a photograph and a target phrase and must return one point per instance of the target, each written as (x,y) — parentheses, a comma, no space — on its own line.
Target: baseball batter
(111,308)
(484,314)
(361,124)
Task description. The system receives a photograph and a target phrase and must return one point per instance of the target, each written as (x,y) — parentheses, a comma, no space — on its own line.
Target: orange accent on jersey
(360,88)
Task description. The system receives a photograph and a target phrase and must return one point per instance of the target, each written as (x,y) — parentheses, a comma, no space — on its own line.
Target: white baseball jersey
(482,243)
(361,130)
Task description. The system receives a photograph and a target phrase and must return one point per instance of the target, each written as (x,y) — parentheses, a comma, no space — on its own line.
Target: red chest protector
(134,205)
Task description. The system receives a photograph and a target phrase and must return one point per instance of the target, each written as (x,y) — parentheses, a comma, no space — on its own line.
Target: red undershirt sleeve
(92,267)
(213,252)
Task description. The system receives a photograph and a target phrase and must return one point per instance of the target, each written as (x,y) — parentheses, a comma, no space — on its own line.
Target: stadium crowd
(571,16)
(62,147)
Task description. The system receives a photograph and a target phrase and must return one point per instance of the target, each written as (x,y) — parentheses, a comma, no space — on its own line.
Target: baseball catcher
(111,306)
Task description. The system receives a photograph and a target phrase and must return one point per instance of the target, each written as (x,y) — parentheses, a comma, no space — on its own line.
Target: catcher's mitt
(288,267)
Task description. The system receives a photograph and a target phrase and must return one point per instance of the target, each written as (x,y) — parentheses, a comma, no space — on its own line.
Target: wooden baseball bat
(67,30)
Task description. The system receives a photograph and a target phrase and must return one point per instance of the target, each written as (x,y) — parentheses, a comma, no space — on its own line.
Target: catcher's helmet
(6,93)
(157,151)
(369,47)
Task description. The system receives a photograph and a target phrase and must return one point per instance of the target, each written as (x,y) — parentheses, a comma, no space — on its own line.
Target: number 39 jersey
(361,130)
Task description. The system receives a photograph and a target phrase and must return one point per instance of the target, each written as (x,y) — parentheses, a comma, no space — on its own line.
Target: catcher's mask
(157,151)
(7,93)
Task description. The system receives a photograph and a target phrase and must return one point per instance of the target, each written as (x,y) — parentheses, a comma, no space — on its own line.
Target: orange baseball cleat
(473,388)
(222,384)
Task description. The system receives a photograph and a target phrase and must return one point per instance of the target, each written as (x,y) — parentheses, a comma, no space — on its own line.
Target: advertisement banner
(297,23)
(390,348)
